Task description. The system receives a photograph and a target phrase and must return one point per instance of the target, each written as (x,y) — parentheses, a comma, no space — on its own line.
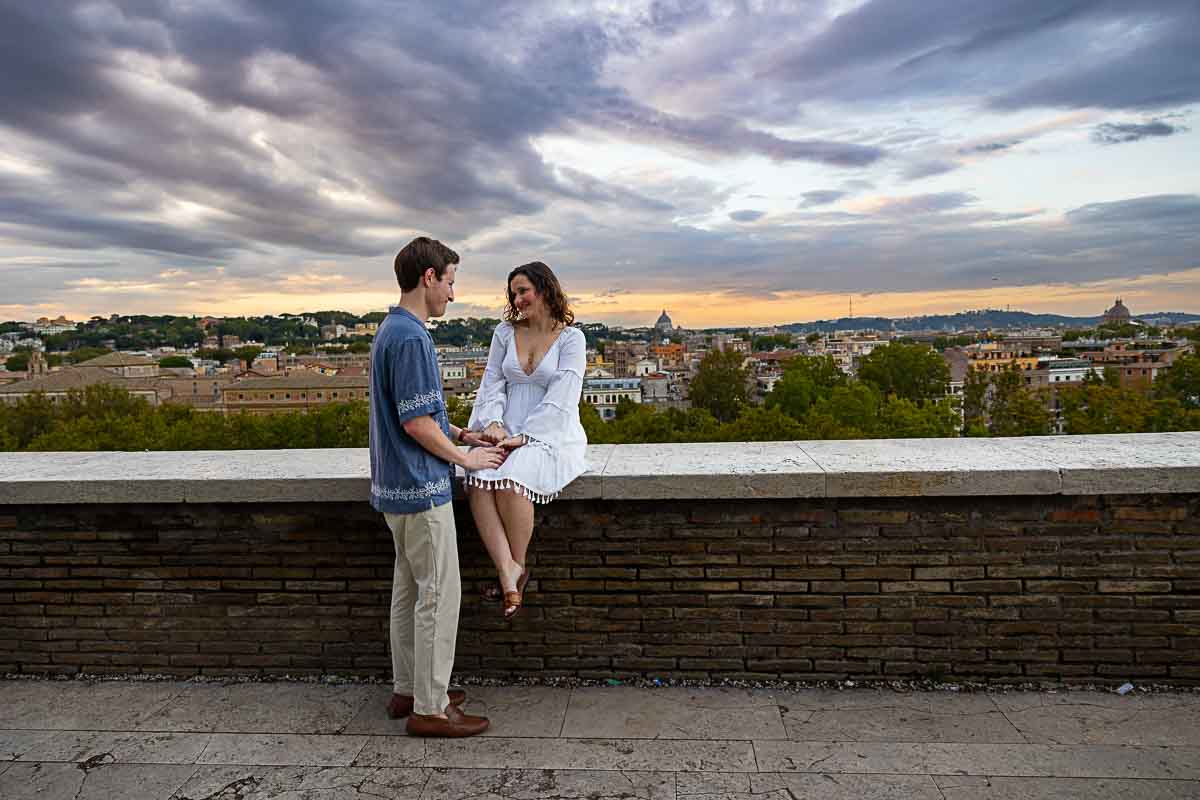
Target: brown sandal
(512,604)
(513,600)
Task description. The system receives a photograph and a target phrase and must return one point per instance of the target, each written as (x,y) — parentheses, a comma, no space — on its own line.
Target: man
(412,471)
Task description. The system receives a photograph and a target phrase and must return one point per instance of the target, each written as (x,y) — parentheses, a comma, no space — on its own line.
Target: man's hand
(494,433)
(473,439)
(485,458)
(512,442)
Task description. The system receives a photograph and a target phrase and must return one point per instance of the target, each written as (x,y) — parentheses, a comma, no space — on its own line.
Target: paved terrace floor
(128,740)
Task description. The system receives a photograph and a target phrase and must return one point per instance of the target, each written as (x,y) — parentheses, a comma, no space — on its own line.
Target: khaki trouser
(426,594)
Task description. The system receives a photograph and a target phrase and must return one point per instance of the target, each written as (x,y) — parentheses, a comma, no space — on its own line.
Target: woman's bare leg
(517,513)
(491,531)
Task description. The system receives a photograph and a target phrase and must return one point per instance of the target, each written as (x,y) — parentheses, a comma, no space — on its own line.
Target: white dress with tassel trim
(543,405)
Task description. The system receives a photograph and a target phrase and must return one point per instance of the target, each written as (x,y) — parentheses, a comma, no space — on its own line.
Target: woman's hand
(513,442)
(494,433)
(473,439)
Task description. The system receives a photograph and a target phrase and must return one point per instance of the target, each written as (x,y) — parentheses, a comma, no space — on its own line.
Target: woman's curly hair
(547,285)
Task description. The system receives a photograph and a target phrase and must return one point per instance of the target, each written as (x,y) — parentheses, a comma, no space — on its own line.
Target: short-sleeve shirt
(405,383)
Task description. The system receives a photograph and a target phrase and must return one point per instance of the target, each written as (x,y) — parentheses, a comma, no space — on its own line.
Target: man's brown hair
(419,255)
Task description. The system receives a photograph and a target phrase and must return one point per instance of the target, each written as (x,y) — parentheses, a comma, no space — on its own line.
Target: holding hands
(494,433)
(484,457)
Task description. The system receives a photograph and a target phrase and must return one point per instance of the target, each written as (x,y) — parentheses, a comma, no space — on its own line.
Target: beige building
(299,391)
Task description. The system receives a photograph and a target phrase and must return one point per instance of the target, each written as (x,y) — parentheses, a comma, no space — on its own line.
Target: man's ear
(429,276)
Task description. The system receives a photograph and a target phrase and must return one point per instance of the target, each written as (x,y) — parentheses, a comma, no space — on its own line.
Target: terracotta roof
(118,360)
(76,378)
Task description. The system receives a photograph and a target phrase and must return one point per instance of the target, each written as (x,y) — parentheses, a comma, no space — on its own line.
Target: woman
(528,403)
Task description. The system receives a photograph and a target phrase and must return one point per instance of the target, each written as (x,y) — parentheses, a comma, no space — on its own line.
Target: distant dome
(664,321)
(1118,313)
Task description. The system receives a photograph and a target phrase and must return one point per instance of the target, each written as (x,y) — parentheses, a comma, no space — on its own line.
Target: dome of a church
(1118,313)
(664,321)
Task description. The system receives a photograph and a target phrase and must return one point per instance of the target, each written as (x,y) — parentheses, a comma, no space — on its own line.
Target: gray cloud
(821,197)
(169,135)
(1121,132)
(926,203)
(927,169)
(746,215)
(987,147)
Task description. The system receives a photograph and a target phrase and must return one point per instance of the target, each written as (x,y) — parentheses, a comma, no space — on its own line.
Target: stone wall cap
(1073,465)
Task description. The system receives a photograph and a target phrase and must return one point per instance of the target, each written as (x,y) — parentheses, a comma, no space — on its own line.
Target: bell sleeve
(492,395)
(548,421)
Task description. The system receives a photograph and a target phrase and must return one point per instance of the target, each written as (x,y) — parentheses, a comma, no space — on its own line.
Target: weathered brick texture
(999,589)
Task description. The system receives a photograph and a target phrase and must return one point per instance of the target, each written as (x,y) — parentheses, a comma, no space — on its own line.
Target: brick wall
(1003,589)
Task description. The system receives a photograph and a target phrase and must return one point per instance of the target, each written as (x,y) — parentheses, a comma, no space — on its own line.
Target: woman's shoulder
(504,330)
(571,333)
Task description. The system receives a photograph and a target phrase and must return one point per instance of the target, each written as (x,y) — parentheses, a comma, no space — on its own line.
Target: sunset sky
(732,162)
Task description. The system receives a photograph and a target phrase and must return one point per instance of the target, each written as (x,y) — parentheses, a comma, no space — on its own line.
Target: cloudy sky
(734,162)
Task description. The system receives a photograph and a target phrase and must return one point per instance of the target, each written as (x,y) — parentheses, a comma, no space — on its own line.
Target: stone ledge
(1074,465)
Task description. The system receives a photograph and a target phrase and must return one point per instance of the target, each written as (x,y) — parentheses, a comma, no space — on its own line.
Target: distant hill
(964,320)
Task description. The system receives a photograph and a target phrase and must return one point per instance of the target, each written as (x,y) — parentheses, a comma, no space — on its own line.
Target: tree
(1100,408)
(1181,381)
(29,418)
(17,362)
(719,385)
(174,362)
(758,424)
(813,338)
(1015,410)
(247,353)
(850,411)
(912,371)
(780,340)
(901,418)
(459,411)
(974,403)
(806,379)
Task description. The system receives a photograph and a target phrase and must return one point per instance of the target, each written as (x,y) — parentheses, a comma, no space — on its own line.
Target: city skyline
(736,163)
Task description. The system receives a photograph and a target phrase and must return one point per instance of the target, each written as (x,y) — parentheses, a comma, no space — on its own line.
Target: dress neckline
(517,352)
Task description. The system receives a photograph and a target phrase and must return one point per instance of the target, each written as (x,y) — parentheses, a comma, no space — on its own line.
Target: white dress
(544,406)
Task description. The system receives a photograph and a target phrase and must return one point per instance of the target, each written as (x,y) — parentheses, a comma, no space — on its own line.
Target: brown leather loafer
(455,726)
(402,704)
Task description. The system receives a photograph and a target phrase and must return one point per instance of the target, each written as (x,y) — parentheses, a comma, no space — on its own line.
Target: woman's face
(528,300)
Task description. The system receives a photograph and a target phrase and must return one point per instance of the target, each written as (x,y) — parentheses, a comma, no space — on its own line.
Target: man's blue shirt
(405,383)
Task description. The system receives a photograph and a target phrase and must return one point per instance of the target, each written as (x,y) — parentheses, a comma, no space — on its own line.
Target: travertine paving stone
(1082,745)
(886,716)
(848,787)
(391,751)
(673,713)
(302,783)
(519,784)
(282,749)
(82,705)
(14,744)
(514,711)
(1104,718)
(260,708)
(618,754)
(971,787)
(1076,761)
(781,786)
(107,782)
(120,748)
